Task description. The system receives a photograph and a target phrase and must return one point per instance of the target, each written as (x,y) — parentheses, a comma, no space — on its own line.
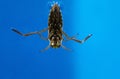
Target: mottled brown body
(55,31)
(55,26)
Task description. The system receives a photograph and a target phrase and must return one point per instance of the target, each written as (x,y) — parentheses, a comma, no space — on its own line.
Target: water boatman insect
(55,32)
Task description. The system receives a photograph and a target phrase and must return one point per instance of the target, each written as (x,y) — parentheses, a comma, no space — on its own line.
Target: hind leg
(31,33)
(73,38)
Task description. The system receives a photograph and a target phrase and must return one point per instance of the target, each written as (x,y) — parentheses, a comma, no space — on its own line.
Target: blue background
(97,58)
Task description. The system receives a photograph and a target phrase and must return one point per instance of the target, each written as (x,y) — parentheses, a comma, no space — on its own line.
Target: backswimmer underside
(55,32)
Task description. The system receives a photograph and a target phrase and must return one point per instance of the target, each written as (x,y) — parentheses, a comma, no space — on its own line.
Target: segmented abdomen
(55,21)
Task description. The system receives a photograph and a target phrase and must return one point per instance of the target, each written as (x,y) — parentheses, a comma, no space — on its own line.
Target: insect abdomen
(55,21)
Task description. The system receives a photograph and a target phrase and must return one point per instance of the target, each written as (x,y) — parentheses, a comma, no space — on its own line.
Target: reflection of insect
(55,31)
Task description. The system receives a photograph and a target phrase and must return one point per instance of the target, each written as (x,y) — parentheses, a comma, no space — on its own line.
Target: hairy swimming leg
(73,38)
(31,33)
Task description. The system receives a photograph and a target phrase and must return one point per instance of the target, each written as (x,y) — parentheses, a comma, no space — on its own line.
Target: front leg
(73,38)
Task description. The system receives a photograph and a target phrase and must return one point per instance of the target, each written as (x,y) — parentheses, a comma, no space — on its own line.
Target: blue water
(97,58)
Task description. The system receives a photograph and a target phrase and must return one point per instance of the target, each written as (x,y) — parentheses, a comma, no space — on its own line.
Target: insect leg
(31,33)
(45,48)
(65,35)
(43,38)
(73,38)
(65,48)
(69,38)
(27,34)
